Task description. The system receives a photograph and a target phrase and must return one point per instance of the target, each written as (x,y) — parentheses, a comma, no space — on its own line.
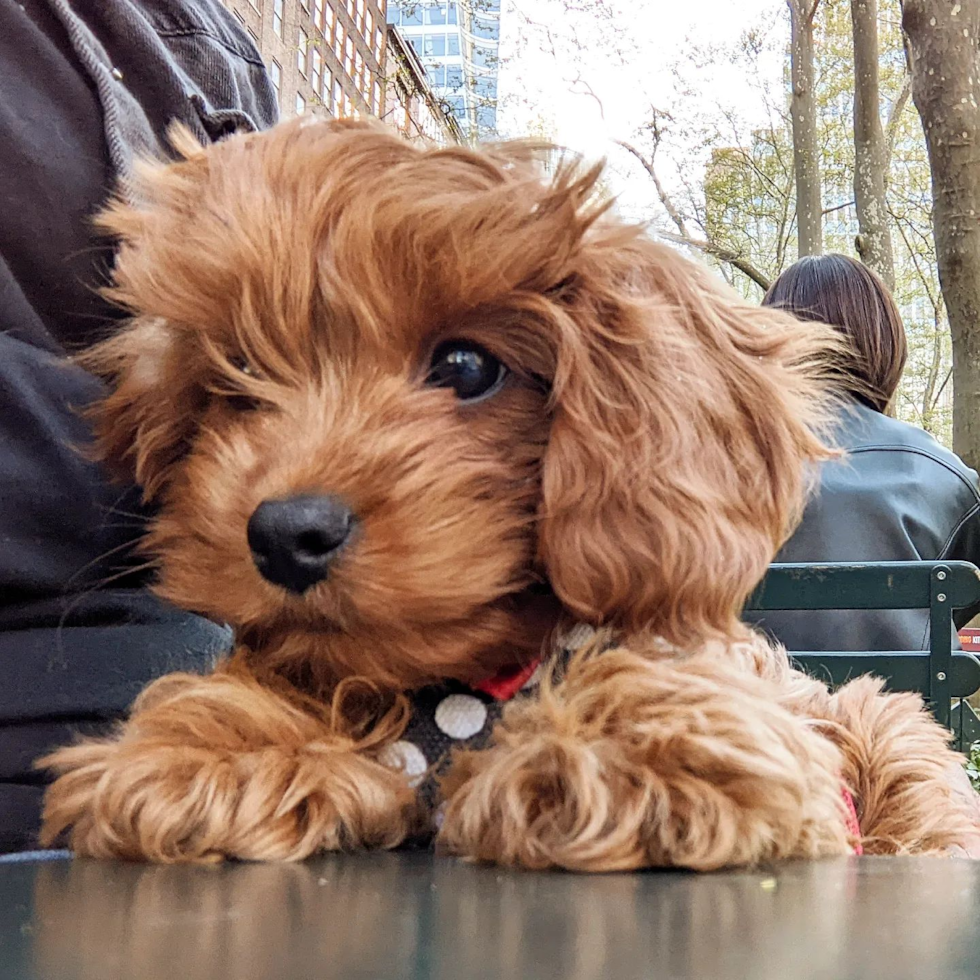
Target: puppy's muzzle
(294,540)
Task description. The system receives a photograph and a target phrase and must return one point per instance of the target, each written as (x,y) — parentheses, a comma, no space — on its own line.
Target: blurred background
(747,133)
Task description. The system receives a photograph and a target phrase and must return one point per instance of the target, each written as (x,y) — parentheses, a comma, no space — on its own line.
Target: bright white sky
(538,89)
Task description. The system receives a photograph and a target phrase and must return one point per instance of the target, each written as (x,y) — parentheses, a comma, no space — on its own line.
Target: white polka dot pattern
(406,757)
(461,715)
(576,637)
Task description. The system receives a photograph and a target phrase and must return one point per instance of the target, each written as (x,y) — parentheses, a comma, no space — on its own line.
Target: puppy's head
(401,407)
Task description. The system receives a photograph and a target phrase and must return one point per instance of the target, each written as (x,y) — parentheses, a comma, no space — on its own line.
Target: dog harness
(453,715)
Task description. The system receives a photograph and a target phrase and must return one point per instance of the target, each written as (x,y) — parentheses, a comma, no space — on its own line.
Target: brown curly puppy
(404,412)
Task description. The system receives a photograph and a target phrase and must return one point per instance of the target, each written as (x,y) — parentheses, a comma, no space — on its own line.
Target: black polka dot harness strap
(452,715)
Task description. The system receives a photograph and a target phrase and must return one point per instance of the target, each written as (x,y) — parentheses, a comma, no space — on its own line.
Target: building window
(412,17)
(318,13)
(329,23)
(256,5)
(337,101)
(377,98)
(360,13)
(347,104)
(300,104)
(483,57)
(452,44)
(338,43)
(302,52)
(453,16)
(325,90)
(435,15)
(378,42)
(435,45)
(368,26)
(349,55)
(275,73)
(277,17)
(316,70)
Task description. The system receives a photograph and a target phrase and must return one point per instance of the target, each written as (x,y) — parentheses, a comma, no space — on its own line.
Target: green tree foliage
(720,181)
(745,204)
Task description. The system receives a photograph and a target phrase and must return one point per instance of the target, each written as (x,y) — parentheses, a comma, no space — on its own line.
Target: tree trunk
(874,243)
(929,397)
(943,38)
(803,107)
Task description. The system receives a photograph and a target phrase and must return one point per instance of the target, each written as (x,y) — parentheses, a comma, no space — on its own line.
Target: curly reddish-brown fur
(640,465)
(633,761)
(212,766)
(727,756)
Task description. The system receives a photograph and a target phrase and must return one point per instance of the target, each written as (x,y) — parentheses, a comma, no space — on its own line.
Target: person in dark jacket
(87,86)
(897,494)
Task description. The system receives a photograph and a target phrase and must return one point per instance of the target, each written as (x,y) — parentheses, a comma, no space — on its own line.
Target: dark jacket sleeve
(86,86)
(964,545)
(897,496)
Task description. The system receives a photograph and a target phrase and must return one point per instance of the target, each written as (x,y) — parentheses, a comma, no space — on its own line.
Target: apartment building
(324,56)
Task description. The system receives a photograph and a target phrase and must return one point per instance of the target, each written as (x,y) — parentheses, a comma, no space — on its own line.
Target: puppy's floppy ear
(684,420)
(155,391)
(154,399)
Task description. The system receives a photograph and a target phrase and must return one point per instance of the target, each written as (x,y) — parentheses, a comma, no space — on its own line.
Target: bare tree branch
(588,90)
(648,166)
(894,120)
(684,237)
(723,254)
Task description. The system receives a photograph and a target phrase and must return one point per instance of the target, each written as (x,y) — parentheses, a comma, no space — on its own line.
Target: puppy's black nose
(294,540)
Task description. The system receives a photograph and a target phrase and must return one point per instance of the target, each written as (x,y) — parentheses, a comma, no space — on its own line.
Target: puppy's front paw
(632,763)
(180,803)
(212,767)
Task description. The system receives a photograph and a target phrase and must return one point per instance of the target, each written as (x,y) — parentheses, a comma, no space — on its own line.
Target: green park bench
(945,677)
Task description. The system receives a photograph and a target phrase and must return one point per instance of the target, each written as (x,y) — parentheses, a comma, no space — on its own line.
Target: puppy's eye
(240,401)
(243,365)
(468,369)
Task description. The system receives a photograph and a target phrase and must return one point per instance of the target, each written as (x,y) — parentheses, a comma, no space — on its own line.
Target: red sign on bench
(970,639)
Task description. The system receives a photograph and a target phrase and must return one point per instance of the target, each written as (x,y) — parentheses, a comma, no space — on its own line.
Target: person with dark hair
(88,86)
(897,494)
(843,292)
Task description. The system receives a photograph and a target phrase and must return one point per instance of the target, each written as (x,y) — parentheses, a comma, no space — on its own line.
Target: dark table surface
(393,916)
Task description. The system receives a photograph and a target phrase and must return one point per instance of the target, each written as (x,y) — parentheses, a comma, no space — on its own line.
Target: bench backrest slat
(940,587)
(903,670)
(864,585)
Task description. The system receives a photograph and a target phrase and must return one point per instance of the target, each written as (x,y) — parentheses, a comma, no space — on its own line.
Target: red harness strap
(503,686)
(853,827)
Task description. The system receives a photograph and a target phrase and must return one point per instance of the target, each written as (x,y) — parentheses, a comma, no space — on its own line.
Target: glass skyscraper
(457,41)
